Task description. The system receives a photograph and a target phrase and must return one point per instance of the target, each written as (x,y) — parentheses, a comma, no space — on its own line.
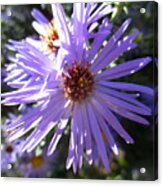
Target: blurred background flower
(37,164)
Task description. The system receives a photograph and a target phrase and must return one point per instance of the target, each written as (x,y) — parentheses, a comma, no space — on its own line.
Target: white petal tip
(115,150)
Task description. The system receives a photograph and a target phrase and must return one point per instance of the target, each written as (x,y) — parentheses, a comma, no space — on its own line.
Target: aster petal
(26,95)
(21,92)
(31,69)
(124,96)
(79,29)
(61,23)
(49,120)
(29,117)
(100,12)
(113,41)
(36,43)
(80,141)
(34,56)
(93,27)
(16,44)
(39,28)
(111,119)
(99,39)
(28,66)
(97,135)
(72,159)
(13,43)
(28,62)
(81,147)
(121,70)
(118,103)
(19,129)
(39,16)
(24,82)
(119,48)
(58,134)
(37,136)
(87,134)
(42,109)
(14,75)
(130,114)
(78,138)
(90,7)
(105,129)
(75,137)
(15,84)
(42,58)
(129,87)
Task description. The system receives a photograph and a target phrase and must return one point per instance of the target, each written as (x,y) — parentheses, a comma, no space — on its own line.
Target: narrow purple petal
(122,111)
(128,87)
(113,40)
(100,12)
(123,104)
(14,75)
(37,136)
(99,40)
(108,135)
(39,16)
(48,121)
(122,46)
(58,134)
(125,96)
(60,18)
(71,159)
(22,92)
(80,141)
(111,119)
(127,68)
(79,29)
(87,134)
(97,136)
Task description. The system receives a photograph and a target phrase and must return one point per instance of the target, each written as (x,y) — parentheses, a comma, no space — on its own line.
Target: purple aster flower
(48,41)
(21,72)
(38,166)
(81,90)
(9,151)
(9,154)
(51,34)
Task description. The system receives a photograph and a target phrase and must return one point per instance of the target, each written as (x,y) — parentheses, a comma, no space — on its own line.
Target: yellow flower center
(79,84)
(52,35)
(37,161)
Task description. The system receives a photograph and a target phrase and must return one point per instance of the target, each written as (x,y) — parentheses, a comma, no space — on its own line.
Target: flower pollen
(52,35)
(79,84)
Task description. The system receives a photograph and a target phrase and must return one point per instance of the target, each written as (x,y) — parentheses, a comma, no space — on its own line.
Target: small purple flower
(9,154)
(81,89)
(38,166)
